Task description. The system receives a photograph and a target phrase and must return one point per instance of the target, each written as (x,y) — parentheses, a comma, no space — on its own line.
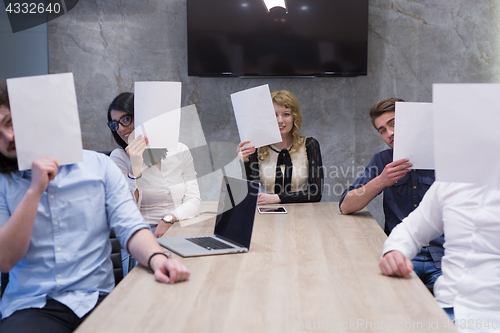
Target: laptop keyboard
(209,243)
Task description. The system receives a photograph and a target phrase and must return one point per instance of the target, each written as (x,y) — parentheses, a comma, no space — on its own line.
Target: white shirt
(173,189)
(469,217)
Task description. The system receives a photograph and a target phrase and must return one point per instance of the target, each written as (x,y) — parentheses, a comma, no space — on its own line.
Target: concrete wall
(109,45)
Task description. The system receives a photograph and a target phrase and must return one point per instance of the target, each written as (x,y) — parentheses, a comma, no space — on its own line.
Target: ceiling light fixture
(275,3)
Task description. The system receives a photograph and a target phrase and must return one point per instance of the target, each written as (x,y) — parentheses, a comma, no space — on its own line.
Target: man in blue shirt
(403,190)
(54,237)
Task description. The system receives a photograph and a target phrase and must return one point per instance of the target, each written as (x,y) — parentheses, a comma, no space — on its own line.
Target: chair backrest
(116,259)
(5,280)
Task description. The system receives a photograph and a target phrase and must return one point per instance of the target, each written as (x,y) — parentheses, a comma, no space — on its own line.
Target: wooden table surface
(311,269)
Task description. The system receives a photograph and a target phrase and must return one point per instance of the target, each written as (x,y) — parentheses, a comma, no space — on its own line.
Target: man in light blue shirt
(54,237)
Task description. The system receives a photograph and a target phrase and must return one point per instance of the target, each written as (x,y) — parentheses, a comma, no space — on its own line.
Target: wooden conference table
(310,269)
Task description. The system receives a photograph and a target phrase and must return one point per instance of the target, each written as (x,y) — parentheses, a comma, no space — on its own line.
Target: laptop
(233,225)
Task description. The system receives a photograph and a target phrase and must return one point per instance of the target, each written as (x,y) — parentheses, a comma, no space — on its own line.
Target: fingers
(172,271)
(265,199)
(394,171)
(182,273)
(245,150)
(242,143)
(160,276)
(51,166)
(43,171)
(399,162)
(261,200)
(399,166)
(394,263)
(46,162)
(137,146)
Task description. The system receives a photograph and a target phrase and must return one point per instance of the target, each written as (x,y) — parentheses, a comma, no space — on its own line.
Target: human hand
(245,150)
(394,263)
(134,150)
(394,171)
(42,172)
(266,199)
(162,228)
(169,270)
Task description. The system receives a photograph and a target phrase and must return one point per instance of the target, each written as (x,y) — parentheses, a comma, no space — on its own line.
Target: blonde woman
(291,170)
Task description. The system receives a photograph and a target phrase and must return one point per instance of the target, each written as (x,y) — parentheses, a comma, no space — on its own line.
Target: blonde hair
(289,101)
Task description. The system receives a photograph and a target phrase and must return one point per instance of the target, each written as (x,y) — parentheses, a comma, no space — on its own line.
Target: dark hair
(123,102)
(383,106)
(7,164)
(4,97)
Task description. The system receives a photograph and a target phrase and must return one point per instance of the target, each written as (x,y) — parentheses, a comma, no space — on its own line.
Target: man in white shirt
(469,215)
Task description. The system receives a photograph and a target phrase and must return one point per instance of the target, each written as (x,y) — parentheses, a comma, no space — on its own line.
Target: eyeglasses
(124,120)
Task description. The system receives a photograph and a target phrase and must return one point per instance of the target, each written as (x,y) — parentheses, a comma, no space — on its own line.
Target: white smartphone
(272,210)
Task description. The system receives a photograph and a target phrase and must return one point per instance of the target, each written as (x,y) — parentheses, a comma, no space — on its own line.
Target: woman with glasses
(290,170)
(163,182)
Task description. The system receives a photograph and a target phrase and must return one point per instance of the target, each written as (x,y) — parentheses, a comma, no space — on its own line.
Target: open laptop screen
(236,225)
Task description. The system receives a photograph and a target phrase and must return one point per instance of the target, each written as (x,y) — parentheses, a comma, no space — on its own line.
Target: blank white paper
(466,133)
(413,134)
(191,132)
(255,116)
(162,131)
(45,119)
(157,112)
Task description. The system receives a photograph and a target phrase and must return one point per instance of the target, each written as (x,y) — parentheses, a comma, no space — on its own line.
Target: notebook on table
(233,224)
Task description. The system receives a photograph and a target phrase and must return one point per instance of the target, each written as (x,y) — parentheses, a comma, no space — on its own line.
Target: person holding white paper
(403,190)
(469,215)
(55,223)
(163,183)
(291,170)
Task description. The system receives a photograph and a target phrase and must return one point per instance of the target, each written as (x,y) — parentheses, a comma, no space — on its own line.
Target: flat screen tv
(308,38)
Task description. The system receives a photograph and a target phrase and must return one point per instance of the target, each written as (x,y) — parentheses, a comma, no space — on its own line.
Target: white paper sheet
(466,134)
(161,131)
(191,131)
(413,134)
(45,119)
(255,117)
(157,107)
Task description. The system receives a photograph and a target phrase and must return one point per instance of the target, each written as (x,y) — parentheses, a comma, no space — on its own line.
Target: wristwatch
(168,218)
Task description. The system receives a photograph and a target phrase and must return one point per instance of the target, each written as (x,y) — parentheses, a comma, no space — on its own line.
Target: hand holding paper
(135,149)
(42,172)
(394,171)
(244,150)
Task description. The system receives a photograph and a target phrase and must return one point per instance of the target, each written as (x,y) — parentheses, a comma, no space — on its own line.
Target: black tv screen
(308,38)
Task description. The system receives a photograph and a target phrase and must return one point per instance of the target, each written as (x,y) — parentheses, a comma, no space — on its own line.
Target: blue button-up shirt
(68,256)
(401,198)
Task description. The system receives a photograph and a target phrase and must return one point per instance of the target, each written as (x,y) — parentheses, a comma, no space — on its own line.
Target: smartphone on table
(272,210)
